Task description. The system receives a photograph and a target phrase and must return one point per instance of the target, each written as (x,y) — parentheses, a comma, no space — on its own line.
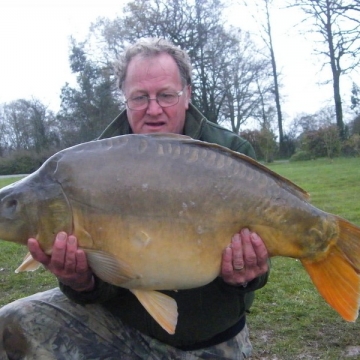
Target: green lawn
(289,319)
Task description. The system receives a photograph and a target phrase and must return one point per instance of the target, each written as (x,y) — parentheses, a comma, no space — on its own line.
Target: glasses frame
(178,93)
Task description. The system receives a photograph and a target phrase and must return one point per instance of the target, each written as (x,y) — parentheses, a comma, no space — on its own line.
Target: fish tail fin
(337,276)
(349,242)
(161,307)
(28,264)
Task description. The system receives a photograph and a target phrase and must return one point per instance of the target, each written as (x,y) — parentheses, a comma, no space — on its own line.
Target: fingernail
(228,250)
(254,236)
(61,236)
(71,240)
(236,238)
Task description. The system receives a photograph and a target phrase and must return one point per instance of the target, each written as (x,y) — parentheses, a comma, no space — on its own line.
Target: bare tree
(29,125)
(247,85)
(338,28)
(263,7)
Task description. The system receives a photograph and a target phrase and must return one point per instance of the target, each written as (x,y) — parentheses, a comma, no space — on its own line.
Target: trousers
(49,326)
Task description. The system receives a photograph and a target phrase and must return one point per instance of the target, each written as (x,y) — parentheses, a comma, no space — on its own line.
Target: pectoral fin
(109,268)
(161,307)
(28,264)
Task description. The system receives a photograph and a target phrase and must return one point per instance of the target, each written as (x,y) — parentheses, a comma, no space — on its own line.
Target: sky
(34,47)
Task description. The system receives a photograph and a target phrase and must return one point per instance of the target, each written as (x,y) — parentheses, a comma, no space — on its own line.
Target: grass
(289,319)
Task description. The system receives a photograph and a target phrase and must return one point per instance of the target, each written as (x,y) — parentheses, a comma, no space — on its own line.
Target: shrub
(301,156)
(263,142)
(351,147)
(22,162)
(322,142)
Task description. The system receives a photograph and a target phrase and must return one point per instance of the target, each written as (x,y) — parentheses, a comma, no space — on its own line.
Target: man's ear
(188,95)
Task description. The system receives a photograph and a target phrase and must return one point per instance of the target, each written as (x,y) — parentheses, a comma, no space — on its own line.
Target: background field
(289,319)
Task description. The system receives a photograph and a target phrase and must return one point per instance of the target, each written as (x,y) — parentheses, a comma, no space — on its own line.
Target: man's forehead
(160,68)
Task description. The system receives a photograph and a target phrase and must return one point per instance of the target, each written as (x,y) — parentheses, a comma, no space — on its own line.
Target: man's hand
(244,259)
(67,262)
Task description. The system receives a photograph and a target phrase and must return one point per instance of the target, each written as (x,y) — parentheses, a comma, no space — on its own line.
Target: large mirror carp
(154,212)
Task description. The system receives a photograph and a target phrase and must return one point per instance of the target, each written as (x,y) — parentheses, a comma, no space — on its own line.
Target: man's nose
(153,108)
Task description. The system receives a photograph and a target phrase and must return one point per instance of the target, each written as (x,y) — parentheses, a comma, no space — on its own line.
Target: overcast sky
(34,46)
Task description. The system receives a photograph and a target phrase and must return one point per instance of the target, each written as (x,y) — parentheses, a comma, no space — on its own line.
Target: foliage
(27,125)
(301,155)
(351,147)
(355,125)
(355,98)
(322,142)
(87,109)
(267,144)
(263,142)
(289,145)
(23,162)
(318,135)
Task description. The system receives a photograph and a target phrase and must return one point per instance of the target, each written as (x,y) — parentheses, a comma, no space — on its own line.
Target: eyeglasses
(165,99)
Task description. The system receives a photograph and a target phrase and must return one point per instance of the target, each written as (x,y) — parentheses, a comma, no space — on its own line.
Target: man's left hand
(244,259)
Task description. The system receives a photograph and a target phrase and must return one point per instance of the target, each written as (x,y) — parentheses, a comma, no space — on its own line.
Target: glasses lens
(163,99)
(138,102)
(167,99)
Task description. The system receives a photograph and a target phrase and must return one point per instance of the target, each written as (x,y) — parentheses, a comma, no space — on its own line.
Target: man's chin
(155,129)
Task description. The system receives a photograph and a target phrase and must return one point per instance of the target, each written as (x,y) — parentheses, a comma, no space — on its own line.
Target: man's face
(152,76)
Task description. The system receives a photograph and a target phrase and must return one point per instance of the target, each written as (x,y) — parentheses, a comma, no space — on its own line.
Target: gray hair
(149,47)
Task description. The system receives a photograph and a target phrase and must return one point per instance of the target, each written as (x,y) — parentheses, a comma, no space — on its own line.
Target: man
(107,322)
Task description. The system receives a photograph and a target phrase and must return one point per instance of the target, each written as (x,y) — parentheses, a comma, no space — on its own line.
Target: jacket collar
(194,124)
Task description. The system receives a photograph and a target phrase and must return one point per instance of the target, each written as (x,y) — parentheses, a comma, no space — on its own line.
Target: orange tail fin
(337,276)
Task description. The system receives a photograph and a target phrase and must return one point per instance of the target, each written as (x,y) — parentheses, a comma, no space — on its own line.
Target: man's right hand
(67,262)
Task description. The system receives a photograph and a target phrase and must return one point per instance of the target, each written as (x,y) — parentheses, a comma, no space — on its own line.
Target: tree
(304,123)
(3,133)
(355,125)
(263,142)
(87,109)
(331,140)
(247,86)
(320,135)
(355,98)
(215,51)
(338,31)
(30,125)
(263,8)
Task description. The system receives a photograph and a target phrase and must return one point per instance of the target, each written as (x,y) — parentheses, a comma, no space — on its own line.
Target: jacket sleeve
(102,292)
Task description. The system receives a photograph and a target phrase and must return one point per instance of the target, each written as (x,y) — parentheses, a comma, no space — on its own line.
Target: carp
(154,212)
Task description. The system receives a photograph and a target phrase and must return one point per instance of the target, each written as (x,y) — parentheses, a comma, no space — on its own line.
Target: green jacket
(204,312)
(196,126)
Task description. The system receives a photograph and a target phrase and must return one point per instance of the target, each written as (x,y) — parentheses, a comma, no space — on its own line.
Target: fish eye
(9,208)
(11,204)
